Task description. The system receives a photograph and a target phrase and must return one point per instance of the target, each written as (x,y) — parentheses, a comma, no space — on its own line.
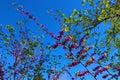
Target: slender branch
(88,70)
(98,22)
(1,73)
(102,66)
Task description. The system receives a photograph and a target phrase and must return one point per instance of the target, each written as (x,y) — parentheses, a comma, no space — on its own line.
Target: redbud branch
(102,66)
(88,70)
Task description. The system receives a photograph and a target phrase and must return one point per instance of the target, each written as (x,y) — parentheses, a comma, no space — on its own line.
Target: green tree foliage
(19,50)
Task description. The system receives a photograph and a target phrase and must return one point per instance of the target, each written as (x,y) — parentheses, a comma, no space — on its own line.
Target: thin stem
(96,22)
(101,66)
(1,73)
(15,63)
(88,70)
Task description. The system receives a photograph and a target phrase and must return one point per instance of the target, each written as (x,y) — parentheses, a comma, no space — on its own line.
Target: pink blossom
(61,32)
(56,45)
(81,51)
(97,67)
(69,55)
(74,63)
(102,57)
(34,18)
(82,73)
(96,73)
(82,39)
(59,36)
(90,61)
(65,40)
(74,45)
(105,76)
(25,12)
(64,47)
(90,47)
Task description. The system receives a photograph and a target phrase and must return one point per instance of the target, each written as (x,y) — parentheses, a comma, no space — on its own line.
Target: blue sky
(9,15)
(38,8)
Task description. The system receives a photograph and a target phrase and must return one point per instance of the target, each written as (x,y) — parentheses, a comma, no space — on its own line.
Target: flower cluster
(66,39)
(105,76)
(96,68)
(28,14)
(84,50)
(72,46)
(81,51)
(74,63)
(82,73)
(61,32)
(82,39)
(109,66)
(99,69)
(56,45)
(70,55)
(41,25)
(102,57)
(89,61)
(88,48)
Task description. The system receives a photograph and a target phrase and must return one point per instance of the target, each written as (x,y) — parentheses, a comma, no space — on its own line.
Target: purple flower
(96,73)
(25,12)
(34,18)
(90,47)
(56,45)
(90,61)
(82,73)
(73,45)
(81,51)
(97,67)
(74,63)
(82,39)
(66,40)
(105,76)
(61,32)
(64,47)
(69,55)
(102,57)
(104,69)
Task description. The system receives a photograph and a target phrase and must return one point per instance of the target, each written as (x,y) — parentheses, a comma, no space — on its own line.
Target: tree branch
(96,22)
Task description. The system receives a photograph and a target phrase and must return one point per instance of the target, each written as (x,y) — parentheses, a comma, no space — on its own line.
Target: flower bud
(74,63)
(105,76)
